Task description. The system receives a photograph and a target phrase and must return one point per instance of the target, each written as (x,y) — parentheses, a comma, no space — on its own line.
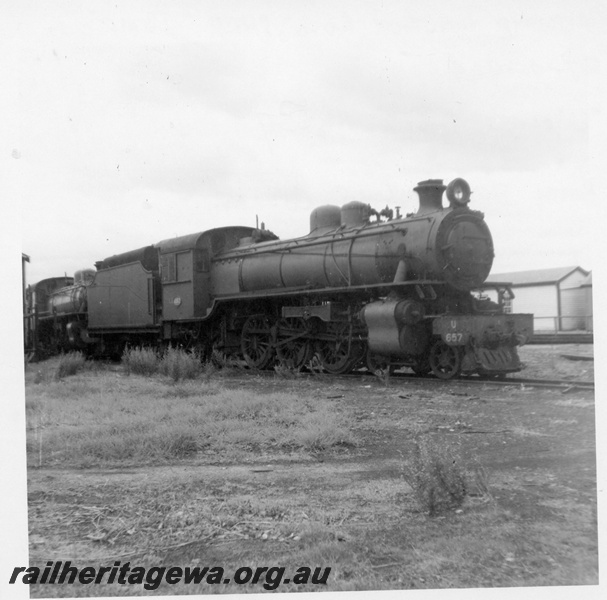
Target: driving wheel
(337,351)
(293,349)
(256,341)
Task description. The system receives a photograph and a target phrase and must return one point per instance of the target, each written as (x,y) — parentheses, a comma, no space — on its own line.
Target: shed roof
(537,276)
(588,280)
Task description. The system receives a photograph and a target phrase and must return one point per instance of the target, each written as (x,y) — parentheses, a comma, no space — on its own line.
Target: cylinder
(395,327)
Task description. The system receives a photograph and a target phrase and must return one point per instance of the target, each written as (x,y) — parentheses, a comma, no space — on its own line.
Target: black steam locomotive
(362,287)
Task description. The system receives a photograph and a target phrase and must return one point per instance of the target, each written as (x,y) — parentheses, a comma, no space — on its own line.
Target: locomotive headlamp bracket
(458,192)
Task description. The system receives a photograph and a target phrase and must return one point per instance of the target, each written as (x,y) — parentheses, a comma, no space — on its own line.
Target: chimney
(430,195)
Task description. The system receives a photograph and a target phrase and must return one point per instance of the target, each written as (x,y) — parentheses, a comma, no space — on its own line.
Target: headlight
(458,192)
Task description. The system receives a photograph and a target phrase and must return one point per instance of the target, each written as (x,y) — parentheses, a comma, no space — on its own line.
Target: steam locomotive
(363,287)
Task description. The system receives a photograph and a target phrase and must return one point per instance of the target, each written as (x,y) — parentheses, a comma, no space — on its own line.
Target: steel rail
(565,384)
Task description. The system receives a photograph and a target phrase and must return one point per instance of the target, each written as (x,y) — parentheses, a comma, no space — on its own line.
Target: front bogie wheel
(445,361)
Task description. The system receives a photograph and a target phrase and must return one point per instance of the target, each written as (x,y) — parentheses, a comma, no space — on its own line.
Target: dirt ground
(562,361)
(531,519)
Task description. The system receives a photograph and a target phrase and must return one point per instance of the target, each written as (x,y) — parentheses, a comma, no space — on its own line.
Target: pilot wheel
(445,360)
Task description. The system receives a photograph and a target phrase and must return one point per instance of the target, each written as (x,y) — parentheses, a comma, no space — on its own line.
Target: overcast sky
(126,123)
(133,122)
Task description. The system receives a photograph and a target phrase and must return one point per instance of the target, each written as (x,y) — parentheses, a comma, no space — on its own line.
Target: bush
(179,364)
(436,476)
(175,363)
(141,361)
(69,364)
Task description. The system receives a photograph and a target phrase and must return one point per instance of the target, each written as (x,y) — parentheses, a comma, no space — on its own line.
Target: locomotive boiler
(345,247)
(363,287)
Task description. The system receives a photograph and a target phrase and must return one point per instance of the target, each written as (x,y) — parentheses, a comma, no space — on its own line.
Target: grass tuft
(69,364)
(176,363)
(287,371)
(140,361)
(179,364)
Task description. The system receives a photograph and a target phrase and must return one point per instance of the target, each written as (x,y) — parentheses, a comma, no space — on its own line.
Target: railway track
(566,385)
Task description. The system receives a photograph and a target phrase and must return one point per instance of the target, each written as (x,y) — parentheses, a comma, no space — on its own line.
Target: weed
(181,445)
(314,365)
(194,390)
(140,361)
(220,360)
(69,364)
(316,433)
(223,365)
(383,374)
(287,371)
(481,483)
(209,371)
(436,475)
(179,364)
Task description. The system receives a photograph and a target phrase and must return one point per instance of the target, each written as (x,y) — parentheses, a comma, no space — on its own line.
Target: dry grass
(140,361)
(106,418)
(175,363)
(357,527)
(181,364)
(70,364)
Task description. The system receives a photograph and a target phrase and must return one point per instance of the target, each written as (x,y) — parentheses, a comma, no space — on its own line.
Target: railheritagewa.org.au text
(270,578)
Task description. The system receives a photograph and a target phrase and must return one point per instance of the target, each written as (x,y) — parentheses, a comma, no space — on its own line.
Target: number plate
(455,338)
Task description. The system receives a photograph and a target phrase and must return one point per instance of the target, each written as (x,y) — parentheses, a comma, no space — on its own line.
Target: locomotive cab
(186,269)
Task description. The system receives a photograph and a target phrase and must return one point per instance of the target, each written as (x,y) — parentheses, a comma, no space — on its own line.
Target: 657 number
(454,337)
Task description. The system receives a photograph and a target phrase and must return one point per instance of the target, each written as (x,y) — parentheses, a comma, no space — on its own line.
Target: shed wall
(588,307)
(541,300)
(573,309)
(573,280)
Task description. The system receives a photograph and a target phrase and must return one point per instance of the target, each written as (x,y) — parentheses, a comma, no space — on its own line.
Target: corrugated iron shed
(537,276)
